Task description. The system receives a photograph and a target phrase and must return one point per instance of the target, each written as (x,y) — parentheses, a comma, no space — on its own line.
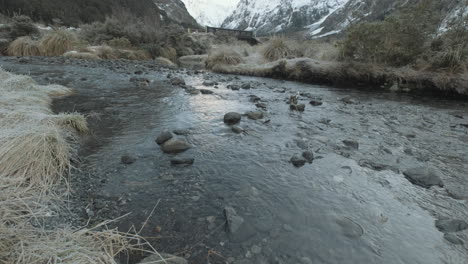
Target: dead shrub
(276,49)
(57,43)
(24,46)
(223,57)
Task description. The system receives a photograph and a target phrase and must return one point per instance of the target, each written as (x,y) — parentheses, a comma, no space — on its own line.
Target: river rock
(175,146)
(254,98)
(192,90)
(127,159)
(183,161)
(205,91)
(424,176)
(163,137)
(298,161)
(453,239)
(255,115)
(209,83)
(233,220)
(245,86)
(237,129)
(316,102)
(348,100)
(166,258)
(351,144)
(181,132)
(261,105)
(451,225)
(308,156)
(233,87)
(297,107)
(177,81)
(232,118)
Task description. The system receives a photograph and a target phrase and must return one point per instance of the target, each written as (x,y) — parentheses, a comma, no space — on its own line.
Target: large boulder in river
(232,118)
(166,258)
(424,176)
(175,146)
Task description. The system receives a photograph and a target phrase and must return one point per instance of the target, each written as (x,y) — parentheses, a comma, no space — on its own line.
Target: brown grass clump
(164,61)
(169,53)
(36,150)
(57,43)
(107,53)
(35,145)
(223,57)
(24,46)
(277,48)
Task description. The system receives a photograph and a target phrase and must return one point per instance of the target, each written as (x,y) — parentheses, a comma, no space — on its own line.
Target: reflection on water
(332,211)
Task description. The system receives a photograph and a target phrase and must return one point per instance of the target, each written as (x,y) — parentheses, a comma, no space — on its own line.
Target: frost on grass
(37,149)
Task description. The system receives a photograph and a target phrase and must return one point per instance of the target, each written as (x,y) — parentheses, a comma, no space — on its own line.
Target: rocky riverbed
(249,170)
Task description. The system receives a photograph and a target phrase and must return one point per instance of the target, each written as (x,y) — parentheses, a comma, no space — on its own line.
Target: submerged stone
(175,146)
(163,137)
(233,220)
(298,161)
(451,225)
(424,177)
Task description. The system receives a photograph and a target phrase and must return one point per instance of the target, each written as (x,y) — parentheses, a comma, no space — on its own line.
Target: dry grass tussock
(57,43)
(277,48)
(37,148)
(165,62)
(223,57)
(24,46)
(338,73)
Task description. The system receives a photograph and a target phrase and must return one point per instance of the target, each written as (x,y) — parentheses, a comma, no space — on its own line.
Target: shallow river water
(349,206)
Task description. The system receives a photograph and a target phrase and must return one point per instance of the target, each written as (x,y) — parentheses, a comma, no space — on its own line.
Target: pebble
(163,137)
(298,161)
(424,176)
(451,225)
(127,159)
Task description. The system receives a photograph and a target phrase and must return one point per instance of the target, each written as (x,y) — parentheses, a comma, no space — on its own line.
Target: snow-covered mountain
(176,11)
(323,17)
(271,16)
(210,12)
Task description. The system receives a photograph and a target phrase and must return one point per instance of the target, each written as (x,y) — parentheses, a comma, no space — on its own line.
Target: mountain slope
(280,15)
(175,11)
(74,12)
(324,17)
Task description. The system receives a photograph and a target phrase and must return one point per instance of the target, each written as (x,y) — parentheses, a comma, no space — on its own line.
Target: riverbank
(354,75)
(358,196)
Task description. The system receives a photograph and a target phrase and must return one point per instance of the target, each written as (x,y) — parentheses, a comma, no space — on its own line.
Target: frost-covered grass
(37,151)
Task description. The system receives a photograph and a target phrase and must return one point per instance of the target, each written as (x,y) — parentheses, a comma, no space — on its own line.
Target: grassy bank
(352,74)
(37,151)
